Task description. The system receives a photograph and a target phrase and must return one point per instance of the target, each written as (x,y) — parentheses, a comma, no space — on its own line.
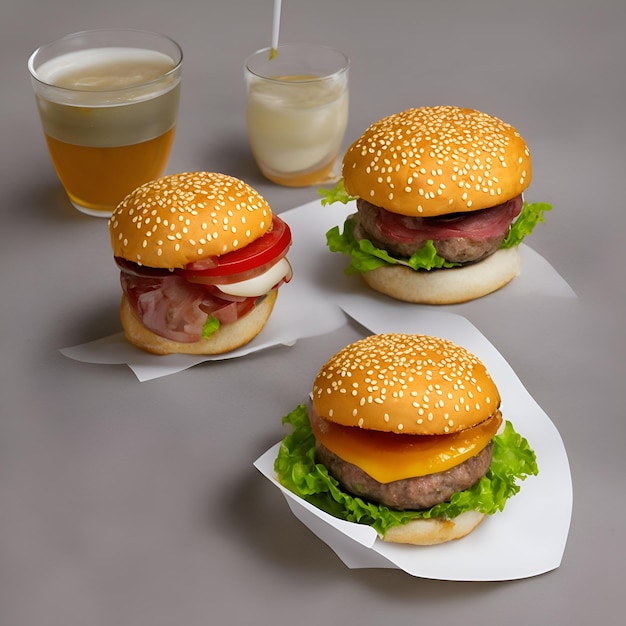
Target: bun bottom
(226,338)
(447,286)
(430,532)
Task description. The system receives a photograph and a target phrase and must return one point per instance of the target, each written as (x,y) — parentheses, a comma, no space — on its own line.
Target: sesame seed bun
(448,286)
(182,218)
(228,337)
(411,384)
(436,160)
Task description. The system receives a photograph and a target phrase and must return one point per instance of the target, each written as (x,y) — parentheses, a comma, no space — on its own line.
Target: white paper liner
(527,539)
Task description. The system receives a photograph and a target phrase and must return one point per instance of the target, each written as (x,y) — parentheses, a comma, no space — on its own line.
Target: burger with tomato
(405,433)
(201,258)
(440,211)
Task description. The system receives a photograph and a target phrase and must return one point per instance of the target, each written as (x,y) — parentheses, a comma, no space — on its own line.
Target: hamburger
(440,211)
(405,433)
(201,258)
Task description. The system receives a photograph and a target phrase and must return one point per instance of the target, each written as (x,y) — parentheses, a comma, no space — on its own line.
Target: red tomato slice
(247,262)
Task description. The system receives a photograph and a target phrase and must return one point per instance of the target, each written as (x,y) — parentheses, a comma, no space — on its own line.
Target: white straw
(275,28)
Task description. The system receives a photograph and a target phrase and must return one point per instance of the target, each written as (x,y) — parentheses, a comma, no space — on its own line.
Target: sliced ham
(177,309)
(476,224)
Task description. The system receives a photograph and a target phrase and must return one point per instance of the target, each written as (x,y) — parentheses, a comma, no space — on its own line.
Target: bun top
(437,160)
(411,384)
(182,218)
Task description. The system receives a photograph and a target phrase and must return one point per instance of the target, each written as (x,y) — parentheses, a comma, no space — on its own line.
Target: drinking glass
(297,111)
(108,104)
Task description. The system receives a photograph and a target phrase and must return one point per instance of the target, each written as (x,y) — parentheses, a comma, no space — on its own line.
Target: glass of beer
(108,103)
(297,111)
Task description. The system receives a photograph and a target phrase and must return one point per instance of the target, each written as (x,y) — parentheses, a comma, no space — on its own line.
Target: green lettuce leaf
(210,326)
(295,466)
(337,194)
(365,256)
(525,223)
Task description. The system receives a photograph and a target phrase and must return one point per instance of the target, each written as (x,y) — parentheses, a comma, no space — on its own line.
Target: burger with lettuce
(405,433)
(440,211)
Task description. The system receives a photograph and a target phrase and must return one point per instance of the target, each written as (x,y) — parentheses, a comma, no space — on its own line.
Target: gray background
(134,503)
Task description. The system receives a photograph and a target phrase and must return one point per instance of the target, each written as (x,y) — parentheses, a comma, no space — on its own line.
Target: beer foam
(104,69)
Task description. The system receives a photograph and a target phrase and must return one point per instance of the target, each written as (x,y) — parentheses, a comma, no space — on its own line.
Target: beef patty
(421,492)
(461,249)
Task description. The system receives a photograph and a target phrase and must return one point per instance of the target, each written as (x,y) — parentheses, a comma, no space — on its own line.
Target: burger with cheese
(405,433)
(440,212)
(201,258)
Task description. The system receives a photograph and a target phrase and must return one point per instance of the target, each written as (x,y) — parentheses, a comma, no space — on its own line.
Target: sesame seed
(430,146)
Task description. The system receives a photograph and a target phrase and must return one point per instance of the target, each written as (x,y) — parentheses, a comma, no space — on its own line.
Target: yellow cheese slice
(389,456)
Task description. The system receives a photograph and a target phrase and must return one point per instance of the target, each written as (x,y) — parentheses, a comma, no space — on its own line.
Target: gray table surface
(127,503)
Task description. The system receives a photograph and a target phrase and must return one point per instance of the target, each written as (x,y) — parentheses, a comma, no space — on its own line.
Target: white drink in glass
(296,125)
(297,111)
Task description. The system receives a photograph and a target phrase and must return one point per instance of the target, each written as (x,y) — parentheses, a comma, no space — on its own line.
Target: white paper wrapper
(310,304)
(290,321)
(527,539)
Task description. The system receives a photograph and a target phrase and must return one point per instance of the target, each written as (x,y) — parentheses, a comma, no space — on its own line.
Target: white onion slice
(259,285)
